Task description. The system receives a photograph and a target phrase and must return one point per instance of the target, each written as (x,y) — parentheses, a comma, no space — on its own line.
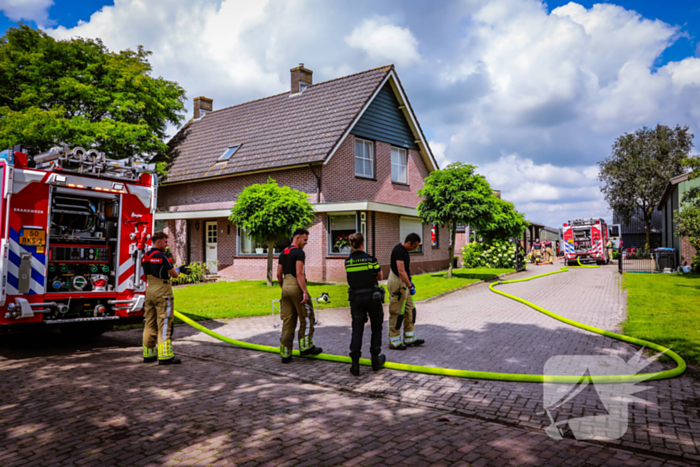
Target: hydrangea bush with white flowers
(499,254)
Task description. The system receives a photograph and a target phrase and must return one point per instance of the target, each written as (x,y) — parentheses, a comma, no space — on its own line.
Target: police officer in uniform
(366,299)
(402,312)
(296,302)
(159,303)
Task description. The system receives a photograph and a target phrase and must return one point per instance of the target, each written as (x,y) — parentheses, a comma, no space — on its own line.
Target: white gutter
(318,207)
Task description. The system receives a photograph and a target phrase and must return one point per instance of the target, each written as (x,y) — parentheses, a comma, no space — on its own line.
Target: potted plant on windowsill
(259,251)
(342,244)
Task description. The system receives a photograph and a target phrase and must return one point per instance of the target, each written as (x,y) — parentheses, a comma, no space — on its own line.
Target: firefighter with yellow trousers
(296,302)
(158,313)
(549,254)
(402,312)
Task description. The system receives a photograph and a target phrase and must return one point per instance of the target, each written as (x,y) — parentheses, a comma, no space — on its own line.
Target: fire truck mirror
(25,272)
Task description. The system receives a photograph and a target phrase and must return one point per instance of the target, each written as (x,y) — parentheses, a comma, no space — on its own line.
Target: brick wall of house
(687,252)
(226,243)
(339,183)
(221,193)
(243,267)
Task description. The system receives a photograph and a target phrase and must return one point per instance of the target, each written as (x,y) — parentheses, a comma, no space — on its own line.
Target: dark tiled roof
(277,131)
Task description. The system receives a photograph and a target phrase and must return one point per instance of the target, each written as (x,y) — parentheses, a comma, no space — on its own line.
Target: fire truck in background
(585,239)
(73,228)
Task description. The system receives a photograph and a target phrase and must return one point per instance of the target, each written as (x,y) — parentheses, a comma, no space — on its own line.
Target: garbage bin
(665,258)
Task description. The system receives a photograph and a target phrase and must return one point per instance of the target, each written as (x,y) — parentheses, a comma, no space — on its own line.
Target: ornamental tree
(507,222)
(267,211)
(635,175)
(456,195)
(78,92)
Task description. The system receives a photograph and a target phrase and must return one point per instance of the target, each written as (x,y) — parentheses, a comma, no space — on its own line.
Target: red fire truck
(73,229)
(585,239)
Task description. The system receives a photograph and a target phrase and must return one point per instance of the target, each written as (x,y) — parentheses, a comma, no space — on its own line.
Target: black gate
(519,257)
(647,261)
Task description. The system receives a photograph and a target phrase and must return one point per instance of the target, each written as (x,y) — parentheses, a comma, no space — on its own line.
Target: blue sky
(532,93)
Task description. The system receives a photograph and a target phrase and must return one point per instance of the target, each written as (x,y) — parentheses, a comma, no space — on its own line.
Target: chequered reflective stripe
(305,342)
(409,337)
(149,353)
(38,267)
(395,341)
(568,247)
(165,350)
(168,312)
(285,351)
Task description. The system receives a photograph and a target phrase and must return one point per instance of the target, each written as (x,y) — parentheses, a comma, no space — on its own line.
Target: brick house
(353,144)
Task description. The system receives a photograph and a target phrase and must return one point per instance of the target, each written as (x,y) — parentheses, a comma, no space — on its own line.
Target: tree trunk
(453,235)
(270,247)
(647,225)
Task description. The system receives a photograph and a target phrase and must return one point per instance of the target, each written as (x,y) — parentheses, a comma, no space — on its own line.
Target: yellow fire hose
(680,368)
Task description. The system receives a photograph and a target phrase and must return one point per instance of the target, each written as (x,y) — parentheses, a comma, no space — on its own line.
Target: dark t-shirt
(537,245)
(289,258)
(156,264)
(399,253)
(361,270)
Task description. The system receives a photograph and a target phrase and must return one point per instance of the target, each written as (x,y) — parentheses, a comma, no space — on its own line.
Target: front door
(210,247)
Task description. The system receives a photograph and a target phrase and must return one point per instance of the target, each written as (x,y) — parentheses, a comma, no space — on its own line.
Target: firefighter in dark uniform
(366,299)
(158,329)
(296,302)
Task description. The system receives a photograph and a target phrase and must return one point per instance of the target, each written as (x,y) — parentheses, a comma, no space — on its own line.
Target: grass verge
(665,309)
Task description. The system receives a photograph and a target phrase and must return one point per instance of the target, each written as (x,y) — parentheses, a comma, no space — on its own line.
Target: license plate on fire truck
(32,237)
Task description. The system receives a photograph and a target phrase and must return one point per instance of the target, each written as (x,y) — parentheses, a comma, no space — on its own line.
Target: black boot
(355,366)
(170,361)
(312,351)
(149,359)
(378,361)
(286,359)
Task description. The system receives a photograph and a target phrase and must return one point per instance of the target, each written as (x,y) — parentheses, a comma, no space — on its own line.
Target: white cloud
(383,41)
(27,10)
(438,150)
(546,192)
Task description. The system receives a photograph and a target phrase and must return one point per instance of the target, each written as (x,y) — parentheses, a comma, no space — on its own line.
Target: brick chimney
(202,105)
(301,77)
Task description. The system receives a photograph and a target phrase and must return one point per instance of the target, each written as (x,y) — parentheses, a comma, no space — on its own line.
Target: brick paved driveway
(228,405)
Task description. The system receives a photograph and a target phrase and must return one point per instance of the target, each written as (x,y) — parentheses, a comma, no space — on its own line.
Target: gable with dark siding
(384,121)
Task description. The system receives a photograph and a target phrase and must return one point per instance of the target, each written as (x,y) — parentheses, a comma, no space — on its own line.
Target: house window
(339,228)
(364,158)
(248,246)
(159,226)
(399,165)
(228,153)
(411,225)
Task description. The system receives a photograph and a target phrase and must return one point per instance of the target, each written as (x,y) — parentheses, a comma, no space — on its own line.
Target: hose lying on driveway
(680,368)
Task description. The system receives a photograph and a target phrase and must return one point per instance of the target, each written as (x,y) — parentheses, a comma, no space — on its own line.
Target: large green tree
(688,215)
(268,211)
(635,175)
(78,92)
(456,195)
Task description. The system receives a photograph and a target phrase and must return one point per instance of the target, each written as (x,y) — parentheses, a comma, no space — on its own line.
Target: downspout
(318,183)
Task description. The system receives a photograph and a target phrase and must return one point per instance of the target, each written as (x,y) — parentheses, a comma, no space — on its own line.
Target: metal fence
(647,261)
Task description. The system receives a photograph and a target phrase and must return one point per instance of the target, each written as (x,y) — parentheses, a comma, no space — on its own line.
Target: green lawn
(254,298)
(665,309)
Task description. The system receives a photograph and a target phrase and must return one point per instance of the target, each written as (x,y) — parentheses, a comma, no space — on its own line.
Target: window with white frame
(248,246)
(364,158)
(340,227)
(399,165)
(410,225)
